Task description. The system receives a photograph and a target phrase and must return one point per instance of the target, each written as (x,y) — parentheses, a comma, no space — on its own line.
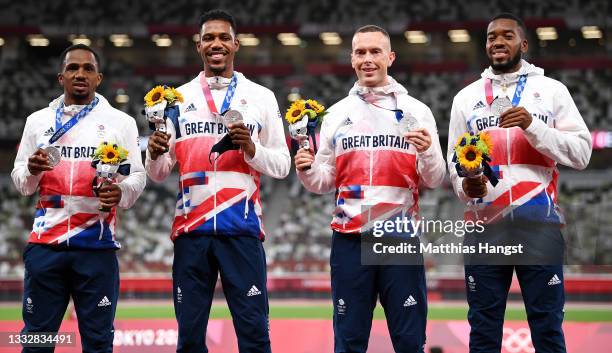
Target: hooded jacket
(221,195)
(374,170)
(525,162)
(67,210)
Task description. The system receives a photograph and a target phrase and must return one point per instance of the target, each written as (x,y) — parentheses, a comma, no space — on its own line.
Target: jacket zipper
(215,196)
(68,202)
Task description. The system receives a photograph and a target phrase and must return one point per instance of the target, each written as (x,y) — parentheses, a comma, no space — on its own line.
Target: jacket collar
(525,69)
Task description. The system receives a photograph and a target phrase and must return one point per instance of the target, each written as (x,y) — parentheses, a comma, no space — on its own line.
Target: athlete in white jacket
(542,128)
(376,171)
(71,250)
(218,226)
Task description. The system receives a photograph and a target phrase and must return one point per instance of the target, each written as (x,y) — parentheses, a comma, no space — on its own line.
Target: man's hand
(516,116)
(420,138)
(158,144)
(109,195)
(241,136)
(475,187)
(39,162)
(303,159)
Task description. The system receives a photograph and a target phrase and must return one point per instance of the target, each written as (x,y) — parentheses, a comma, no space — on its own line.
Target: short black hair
(217,14)
(510,16)
(372,28)
(79,47)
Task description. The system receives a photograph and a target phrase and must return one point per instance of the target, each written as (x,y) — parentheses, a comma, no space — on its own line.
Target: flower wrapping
(160,103)
(303,117)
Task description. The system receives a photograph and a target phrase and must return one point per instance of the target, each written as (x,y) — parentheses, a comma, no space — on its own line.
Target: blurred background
(302,50)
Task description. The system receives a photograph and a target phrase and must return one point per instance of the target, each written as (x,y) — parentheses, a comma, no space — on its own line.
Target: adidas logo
(554,280)
(49,132)
(348,121)
(253,291)
(190,108)
(478,105)
(104,302)
(410,301)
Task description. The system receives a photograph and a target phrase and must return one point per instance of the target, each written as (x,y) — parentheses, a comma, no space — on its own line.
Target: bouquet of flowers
(472,156)
(109,162)
(160,103)
(303,117)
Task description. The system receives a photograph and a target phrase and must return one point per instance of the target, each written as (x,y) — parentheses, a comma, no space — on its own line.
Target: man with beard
(376,167)
(71,251)
(218,218)
(534,124)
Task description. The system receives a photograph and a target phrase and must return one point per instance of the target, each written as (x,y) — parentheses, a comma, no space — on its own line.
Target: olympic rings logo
(518,341)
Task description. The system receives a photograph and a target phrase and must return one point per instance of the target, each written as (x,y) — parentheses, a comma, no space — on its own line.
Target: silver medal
(500,105)
(407,123)
(53,155)
(231,117)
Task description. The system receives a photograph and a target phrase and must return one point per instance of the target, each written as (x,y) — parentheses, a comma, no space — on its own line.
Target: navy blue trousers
(53,275)
(241,263)
(540,274)
(355,289)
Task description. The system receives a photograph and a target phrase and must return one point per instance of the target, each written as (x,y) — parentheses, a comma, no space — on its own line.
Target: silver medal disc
(407,123)
(500,105)
(53,155)
(232,117)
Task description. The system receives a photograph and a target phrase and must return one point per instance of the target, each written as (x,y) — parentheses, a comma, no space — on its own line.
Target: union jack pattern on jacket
(524,161)
(67,209)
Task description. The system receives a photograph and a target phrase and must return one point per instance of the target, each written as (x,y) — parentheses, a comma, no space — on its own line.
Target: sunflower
(314,105)
(296,111)
(171,95)
(469,157)
(110,154)
(156,95)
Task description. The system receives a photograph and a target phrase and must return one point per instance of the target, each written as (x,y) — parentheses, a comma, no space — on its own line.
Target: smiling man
(218,225)
(71,249)
(375,167)
(534,124)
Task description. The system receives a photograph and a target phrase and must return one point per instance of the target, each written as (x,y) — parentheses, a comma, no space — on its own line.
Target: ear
(237,43)
(60,79)
(524,46)
(391,58)
(99,79)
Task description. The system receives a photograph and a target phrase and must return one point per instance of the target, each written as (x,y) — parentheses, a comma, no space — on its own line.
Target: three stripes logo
(554,280)
(253,291)
(49,132)
(190,108)
(478,105)
(104,302)
(410,301)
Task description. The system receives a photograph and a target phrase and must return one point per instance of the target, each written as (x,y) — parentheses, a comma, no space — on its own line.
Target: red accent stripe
(222,196)
(523,153)
(193,156)
(57,181)
(353,168)
(500,150)
(375,212)
(61,228)
(522,188)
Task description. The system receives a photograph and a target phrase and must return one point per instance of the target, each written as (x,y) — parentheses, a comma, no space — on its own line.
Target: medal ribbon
(518,92)
(399,114)
(231,89)
(61,130)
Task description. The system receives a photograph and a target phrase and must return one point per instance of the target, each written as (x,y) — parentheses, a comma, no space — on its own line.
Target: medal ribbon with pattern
(518,92)
(61,130)
(231,89)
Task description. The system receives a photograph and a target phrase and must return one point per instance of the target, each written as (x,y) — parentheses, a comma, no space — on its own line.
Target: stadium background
(301,49)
